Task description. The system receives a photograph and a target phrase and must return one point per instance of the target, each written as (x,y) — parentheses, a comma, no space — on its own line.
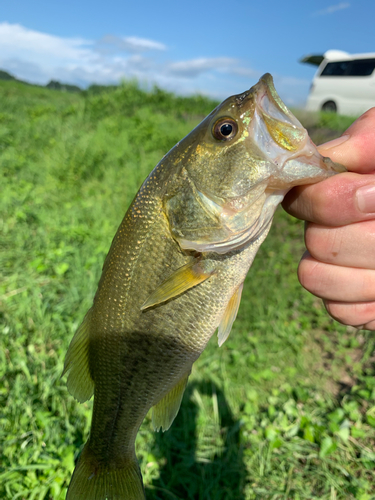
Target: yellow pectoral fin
(166,410)
(229,316)
(181,280)
(79,382)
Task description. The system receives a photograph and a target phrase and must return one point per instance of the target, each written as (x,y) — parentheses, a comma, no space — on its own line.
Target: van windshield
(359,67)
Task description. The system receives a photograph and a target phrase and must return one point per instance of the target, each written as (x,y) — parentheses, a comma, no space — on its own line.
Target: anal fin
(229,316)
(79,382)
(181,280)
(164,412)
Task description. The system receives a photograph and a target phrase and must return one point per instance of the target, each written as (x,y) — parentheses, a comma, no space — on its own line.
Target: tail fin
(93,481)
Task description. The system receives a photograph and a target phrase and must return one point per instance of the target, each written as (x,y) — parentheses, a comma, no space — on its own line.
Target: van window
(335,69)
(362,67)
(359,67)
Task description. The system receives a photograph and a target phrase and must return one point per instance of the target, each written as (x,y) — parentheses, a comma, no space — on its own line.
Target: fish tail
(93,480)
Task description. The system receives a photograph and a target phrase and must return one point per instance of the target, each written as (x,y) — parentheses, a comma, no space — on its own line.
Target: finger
(368,326)
(350,246)
(337,201)
(356,148)
(359,314)
(343,284)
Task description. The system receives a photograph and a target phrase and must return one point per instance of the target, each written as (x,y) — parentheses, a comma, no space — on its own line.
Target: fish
(175,273)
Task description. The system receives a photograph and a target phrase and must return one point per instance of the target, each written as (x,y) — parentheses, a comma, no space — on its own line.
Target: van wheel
(329,107)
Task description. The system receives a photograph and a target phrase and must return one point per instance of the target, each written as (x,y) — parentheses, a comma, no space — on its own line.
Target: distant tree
(65,87)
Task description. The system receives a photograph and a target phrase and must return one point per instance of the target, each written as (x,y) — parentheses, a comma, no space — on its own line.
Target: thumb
(355,149)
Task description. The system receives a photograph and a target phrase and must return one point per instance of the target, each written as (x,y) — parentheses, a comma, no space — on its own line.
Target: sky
(216,48)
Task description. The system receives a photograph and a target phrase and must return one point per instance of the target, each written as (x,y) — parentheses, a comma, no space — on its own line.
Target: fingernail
(366,199)
(334,143)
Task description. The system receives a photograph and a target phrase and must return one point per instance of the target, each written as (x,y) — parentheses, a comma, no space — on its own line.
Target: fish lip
(278,108)
(333,166)
(267,80)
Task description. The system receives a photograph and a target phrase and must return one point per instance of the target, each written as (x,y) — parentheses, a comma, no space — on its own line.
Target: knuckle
(331,200)
(308,273)
(323,243)
(341,312)
(368,115)
(370,325)
(368,284)
(321,205)
(362,132)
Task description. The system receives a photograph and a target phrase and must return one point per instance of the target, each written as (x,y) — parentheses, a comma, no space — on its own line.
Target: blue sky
(216,48)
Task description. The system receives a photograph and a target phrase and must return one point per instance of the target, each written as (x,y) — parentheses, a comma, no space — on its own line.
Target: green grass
(284,410)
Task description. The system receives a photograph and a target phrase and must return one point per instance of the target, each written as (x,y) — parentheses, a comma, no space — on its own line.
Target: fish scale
(174,275)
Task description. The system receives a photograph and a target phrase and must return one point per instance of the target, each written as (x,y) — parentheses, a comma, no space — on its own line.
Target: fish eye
(224,129)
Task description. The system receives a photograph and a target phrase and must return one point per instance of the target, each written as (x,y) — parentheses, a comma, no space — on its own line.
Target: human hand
(339,265)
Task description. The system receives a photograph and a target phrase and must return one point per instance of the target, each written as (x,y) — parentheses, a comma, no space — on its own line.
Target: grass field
(284,410)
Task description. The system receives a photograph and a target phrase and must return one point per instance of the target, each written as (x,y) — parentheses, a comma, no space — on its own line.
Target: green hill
(53,84)
(4,75)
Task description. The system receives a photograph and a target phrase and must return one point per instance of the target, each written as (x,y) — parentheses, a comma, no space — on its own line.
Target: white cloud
(195,67)
(15,39)
(39,57)
(131,44)
(331,9)
(24,70)
(245,72)
(36,56)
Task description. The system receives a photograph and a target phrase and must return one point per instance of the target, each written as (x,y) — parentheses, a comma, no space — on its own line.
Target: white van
(344,83)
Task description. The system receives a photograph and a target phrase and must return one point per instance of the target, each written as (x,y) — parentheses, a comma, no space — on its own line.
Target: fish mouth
(285,142)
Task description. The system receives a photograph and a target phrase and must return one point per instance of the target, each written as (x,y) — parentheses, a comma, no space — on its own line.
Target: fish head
(237,165)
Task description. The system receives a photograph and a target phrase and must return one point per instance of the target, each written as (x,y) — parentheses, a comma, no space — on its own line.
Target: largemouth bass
(174,275)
